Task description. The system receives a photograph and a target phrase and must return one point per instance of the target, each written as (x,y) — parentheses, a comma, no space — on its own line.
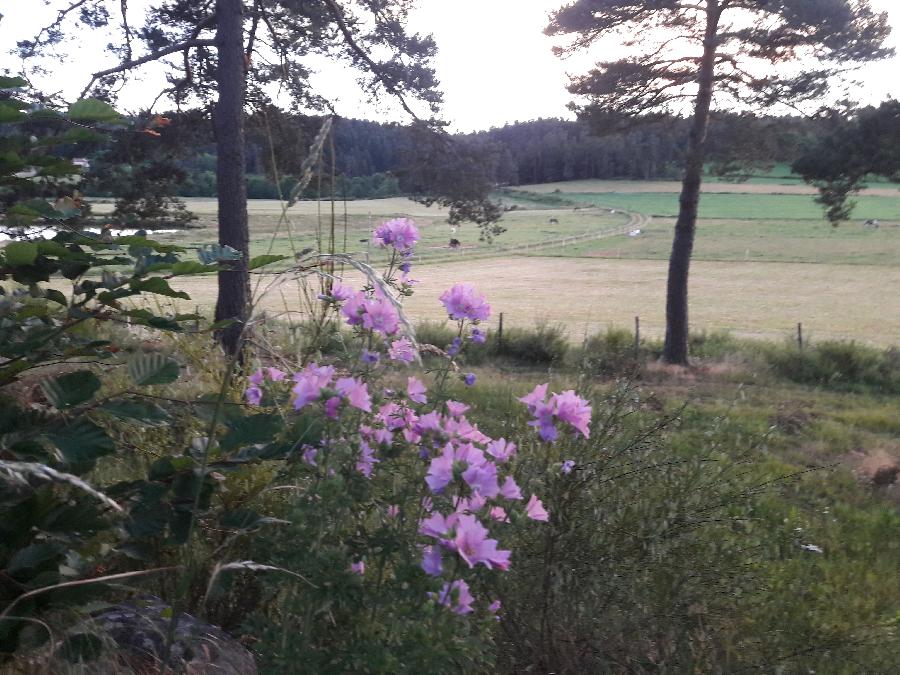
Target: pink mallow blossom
(462,301)
(566,407)
(309,384)
(431,560)
(456,596)
(535,510)
(359,567)
(380,315)
(416,390)
(366,461)
(402,350)
(253,395)
(356,393)
(472,544)
(401,233)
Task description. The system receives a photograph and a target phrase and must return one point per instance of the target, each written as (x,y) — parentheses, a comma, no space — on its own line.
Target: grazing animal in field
(455,243)
(872,223)
(554,221)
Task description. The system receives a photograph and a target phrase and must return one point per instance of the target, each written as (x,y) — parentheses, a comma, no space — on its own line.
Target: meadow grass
(750,206)
(739,240)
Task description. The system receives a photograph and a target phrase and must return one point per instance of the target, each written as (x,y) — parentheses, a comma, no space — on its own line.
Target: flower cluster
(566,407)
(469,493)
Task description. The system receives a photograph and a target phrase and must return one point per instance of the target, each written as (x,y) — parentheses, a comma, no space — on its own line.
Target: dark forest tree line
(373,160)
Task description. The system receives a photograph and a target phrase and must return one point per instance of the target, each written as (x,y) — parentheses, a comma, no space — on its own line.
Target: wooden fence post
(637,336)
(500,331)
(800,336)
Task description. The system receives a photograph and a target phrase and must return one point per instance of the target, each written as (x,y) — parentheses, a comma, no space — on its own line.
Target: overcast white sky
(495,64)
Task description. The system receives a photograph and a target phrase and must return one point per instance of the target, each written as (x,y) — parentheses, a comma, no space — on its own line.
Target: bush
(608,354)
(838,365)
(543,345)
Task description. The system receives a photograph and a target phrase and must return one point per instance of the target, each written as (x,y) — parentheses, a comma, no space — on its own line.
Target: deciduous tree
(866,144)
(701,55)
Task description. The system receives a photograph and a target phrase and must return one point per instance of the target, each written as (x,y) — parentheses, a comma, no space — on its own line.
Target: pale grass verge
(752,299)
(674,187)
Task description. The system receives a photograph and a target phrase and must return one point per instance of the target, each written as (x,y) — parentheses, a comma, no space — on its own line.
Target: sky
(494,63)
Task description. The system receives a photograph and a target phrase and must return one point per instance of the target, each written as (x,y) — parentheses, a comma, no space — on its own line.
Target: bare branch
(60,17)
(338,15)
(155,56)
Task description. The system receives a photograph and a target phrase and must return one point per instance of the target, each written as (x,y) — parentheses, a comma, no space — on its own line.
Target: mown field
(763,261)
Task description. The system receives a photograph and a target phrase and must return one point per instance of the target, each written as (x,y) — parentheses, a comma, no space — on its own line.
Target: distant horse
(554,221)
(455,243)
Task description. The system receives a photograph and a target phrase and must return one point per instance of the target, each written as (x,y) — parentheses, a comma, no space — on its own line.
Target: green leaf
(7,82)
(263,260)
(26,561)
(192,267)
(250,430)
(132,411)
(159,286)
(81,443)
(21,252)
(147,369)
(56,296)
(93,110)
(70,389)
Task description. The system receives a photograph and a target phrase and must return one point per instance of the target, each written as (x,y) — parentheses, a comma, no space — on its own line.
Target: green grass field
(762,261)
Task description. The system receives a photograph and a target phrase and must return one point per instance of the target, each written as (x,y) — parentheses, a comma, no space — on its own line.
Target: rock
(139,630)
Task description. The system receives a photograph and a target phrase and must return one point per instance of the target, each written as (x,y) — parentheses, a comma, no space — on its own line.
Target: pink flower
(309,455)
(470,504)
(356,393)
(462,301)
(341,293)
(416,390)
(381,316)
(571,408)
(402,350)
(436,525)
(535,510)
(275,374)
(366,461)
(306,391)
(358,567)
(567,466)
(499,514)
(431,560)
(456,596)
(537,396)
(510,490)
(354,309)
(401,233)
(474,547)
(253,395)
(440,473)
(501,449)
(493,608)
(392,511)
(257,378)
(456,409)
(332,406)
(483,479)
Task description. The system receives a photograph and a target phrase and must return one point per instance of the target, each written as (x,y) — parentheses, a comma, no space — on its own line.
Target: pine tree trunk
(675,349)
(234,283)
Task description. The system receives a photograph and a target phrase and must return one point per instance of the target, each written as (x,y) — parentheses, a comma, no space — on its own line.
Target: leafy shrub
(616,582)
(543,345)
(609,354)
(838,365)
